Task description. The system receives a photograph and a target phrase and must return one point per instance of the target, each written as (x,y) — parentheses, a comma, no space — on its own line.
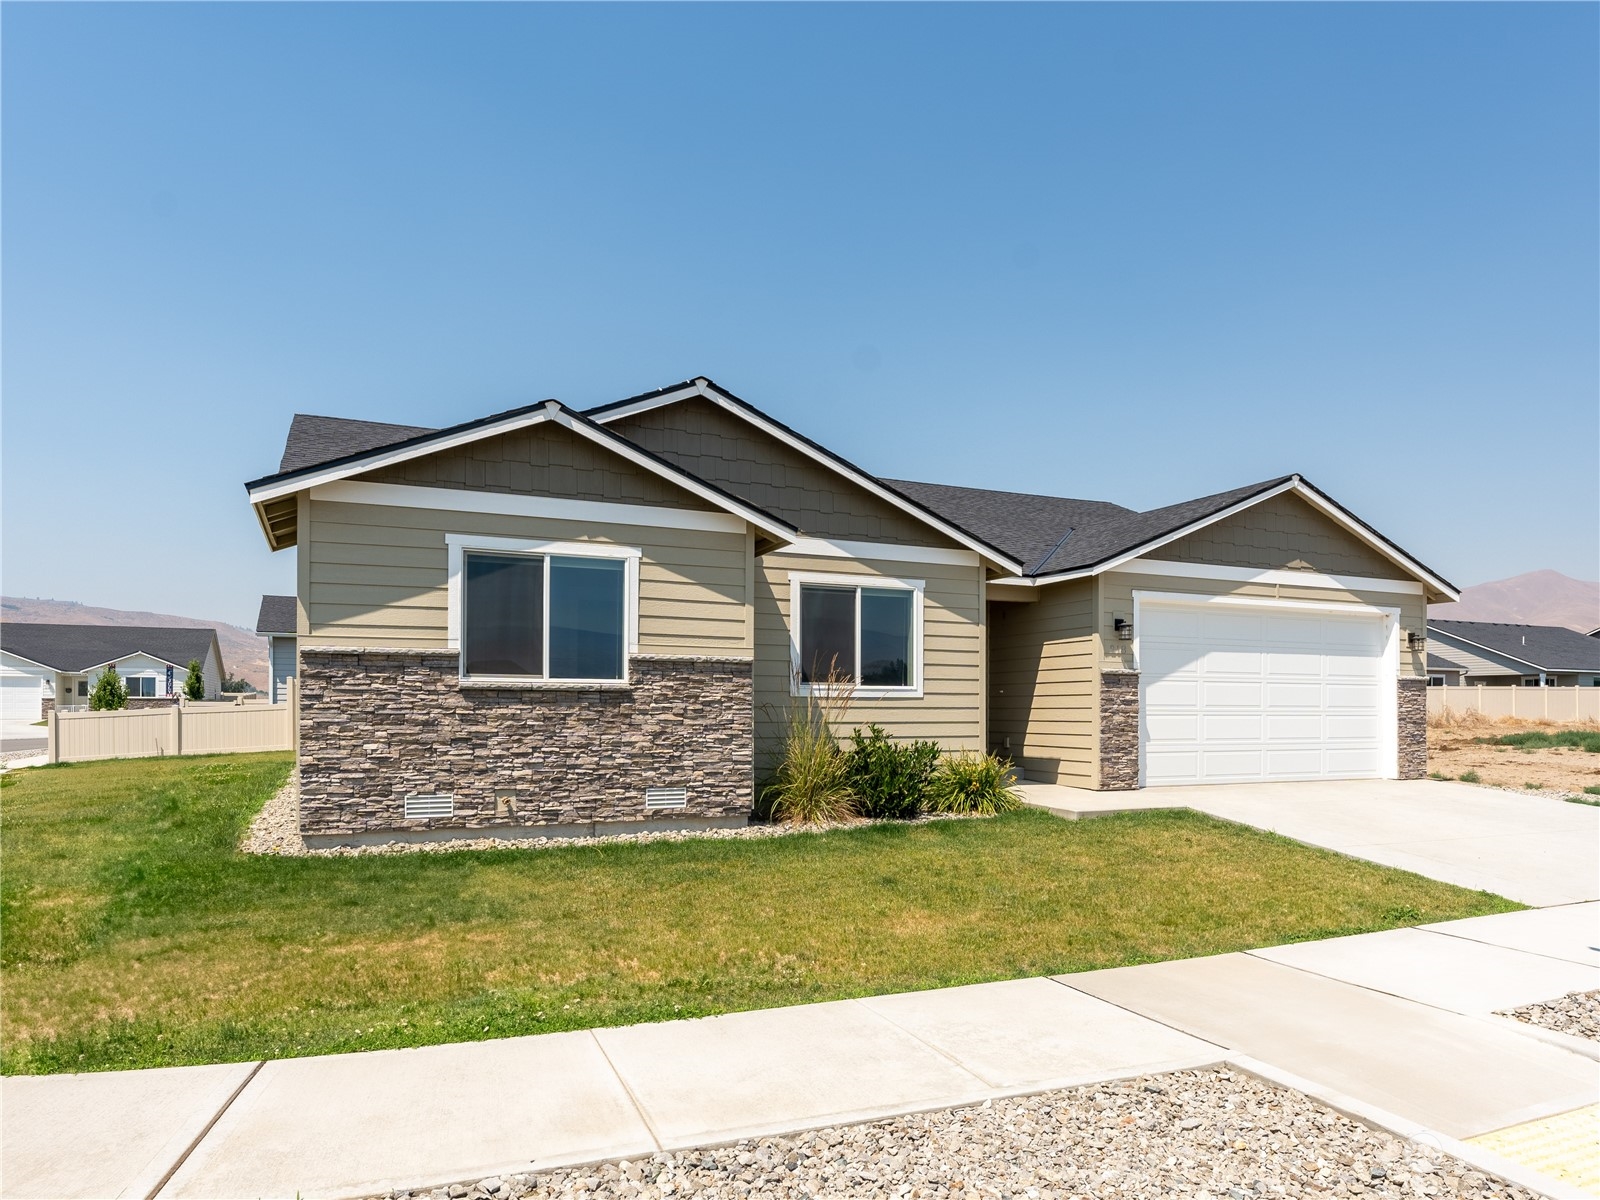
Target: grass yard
(134,934)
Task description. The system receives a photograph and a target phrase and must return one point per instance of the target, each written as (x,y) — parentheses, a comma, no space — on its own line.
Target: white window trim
(1388,681)
(797,579)
(458,544)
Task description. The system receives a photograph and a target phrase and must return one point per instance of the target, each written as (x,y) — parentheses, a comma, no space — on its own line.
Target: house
(549,618)
(1444,671)
(43,666)
(278,623)
(1495,654)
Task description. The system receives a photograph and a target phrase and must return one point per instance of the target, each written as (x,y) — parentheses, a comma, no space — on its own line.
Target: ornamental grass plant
(973,784)
(810,785)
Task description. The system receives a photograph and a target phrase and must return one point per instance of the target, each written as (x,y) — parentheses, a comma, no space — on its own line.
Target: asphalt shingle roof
(278,615)
(1548,647)
(314,440)
(79,647)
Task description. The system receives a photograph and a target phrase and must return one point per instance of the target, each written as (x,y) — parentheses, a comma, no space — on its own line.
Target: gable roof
(1542,647)
(82,647)
(1040,539)
(353,458)
(279,614)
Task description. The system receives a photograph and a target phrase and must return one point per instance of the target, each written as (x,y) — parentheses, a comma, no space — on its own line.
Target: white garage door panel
(19,697)
(1232,694)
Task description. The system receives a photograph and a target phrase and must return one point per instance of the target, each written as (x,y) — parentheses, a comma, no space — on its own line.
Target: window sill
(860,693)
(514,683)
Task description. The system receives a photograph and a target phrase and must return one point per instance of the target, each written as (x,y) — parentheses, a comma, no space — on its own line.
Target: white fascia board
(1314,579)
(859,478)
(1449,637)
(510,504)
(4,654)
(385,458)
(624,449)
(882,551)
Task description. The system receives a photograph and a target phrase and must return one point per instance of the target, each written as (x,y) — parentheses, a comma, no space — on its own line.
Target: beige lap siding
(1043,683)
(377,575)
(950,709)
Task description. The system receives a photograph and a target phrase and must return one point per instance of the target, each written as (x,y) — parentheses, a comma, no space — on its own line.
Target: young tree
(109,692)
(194,686)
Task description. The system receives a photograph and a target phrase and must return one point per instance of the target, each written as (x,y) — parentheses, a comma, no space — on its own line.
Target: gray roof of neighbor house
(1545,647)
(80,647)
(1049,535)
(278,614)
(1438,662)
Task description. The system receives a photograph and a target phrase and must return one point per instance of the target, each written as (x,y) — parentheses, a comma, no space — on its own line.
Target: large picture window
(542,616)
(865,635)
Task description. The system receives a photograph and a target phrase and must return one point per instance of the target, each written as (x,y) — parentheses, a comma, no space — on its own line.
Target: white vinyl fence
(189,729)
(1528,703)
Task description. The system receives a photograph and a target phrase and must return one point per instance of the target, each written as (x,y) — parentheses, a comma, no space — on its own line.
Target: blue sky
(1134,253)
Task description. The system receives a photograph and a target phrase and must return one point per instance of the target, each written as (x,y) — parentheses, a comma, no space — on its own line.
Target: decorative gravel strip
(7,756)
(1577,1013)
(276,830)
(1211,1135)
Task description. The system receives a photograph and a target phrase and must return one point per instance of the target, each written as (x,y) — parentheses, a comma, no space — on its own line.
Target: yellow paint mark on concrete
(1564,1147)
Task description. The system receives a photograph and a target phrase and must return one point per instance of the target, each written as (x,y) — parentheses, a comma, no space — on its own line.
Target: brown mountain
(1537,598)
(244,655)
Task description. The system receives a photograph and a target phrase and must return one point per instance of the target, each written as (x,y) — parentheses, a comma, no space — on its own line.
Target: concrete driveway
(1533,849)
(22,735)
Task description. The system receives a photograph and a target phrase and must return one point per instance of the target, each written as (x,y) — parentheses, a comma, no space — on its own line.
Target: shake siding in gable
(1043,683)
(542,460)
(1283,531)
(377,576)
(717,446)
(950,708)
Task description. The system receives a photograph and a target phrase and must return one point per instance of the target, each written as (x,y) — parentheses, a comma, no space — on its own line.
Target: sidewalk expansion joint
(638,1106)
(204,1133)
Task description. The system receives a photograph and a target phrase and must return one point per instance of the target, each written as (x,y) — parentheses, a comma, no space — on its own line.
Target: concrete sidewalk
(1394,1021)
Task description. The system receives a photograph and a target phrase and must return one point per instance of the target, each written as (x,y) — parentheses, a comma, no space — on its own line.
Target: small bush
(1533,787)
(1470,777)
(810,785)
(194,684)
(972,784)
(109,693)
(1591,791)
(886,777)
(1439,775)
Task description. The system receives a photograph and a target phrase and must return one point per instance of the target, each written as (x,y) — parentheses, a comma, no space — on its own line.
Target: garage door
(1233,693)
(19,697)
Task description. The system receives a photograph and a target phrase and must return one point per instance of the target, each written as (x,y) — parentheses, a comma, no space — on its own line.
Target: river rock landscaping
(1212,1135)
(1577,1013)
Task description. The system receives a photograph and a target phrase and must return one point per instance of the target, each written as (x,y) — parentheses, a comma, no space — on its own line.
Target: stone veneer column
(378,725)
(1119,730)
(1413,731)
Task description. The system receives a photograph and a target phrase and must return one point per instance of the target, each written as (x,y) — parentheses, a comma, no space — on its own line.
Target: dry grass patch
(1462,743)
(137,935)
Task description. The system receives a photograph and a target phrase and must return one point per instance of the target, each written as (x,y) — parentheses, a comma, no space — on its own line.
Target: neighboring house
(1518,655)
(47,666)
(1443,671)
(277,622)
(551,618)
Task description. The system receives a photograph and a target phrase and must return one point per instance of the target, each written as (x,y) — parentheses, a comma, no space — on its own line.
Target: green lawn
(134,935)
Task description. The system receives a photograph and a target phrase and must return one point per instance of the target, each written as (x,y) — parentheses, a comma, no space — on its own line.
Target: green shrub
(886,777)
(810,784)
(1470,777)
(1591,791)
(1533,787)
(972,784)
(194,684)
(1439,775)
(109,692)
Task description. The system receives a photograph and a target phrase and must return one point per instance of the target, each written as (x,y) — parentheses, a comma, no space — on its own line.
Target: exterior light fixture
(1417,641)
(1124,628)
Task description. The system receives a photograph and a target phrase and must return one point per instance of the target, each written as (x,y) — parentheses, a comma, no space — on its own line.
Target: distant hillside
(1537,598)
(243,653)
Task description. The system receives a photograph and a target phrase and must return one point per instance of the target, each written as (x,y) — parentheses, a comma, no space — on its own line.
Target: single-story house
(44,666)
(278,622)
(550,617)
(1444,671)
(1517,655)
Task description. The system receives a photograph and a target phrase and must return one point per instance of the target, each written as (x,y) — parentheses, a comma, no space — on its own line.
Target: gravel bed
(1212,1135)
(1577,1013)
(7,756)
(276,830)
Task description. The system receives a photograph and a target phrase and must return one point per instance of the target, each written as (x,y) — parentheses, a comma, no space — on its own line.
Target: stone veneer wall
(379,725)
(1119,730)
(1413,709)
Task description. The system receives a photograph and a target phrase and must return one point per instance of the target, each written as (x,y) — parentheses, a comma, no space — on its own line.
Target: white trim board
(709,391)
(881,551)
(551,411)
(405,495)
(1312,579)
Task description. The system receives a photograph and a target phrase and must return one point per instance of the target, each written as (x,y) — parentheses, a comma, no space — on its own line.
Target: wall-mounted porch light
(1124,628)
(1418,642)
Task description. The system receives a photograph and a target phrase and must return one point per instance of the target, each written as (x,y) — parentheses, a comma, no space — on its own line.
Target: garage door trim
(1389,668)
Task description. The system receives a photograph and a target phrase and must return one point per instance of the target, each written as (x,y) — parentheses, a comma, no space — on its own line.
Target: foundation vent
(656,799)
(427,808)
